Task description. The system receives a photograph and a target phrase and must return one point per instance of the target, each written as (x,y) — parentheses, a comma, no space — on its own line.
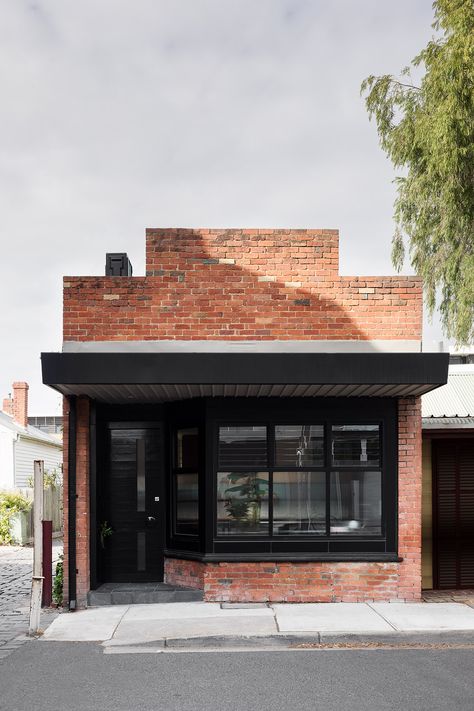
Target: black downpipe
(72,502)
(93,494)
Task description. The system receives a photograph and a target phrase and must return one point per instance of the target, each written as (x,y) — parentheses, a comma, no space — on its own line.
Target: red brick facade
(82,499)
(241,284)
(409,497)
(189,573)
(256,284)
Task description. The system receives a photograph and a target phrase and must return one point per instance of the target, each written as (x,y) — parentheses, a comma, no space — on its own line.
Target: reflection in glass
(356,503)
(187,504)
(356,445)
(299,503)
(242,503)
(242,446)
(187,452)
(140,452)
(299,445)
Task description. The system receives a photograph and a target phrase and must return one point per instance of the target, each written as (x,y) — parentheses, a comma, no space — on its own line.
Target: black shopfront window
(185,482)
(305,481)
(356,480)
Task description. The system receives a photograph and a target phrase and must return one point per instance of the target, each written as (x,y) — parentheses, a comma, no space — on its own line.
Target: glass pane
(242,503)
(356,445)
(140,445)
(299,503)
(187,452)
(299,445)
(356,503)
(187,504)
(242,446)
(141,551)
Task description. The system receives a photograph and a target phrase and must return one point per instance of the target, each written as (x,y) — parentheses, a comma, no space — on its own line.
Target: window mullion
(328,455)
(270,464)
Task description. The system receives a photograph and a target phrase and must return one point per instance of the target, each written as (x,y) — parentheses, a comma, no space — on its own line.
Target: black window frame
(351,467)
(175,470)
(210,413)
(327,545)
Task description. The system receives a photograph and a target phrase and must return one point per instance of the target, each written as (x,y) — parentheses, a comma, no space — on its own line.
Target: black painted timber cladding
(453,513)
(62,369)
(132,452)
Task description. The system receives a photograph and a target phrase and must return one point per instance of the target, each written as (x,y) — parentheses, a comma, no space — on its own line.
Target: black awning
(160,377)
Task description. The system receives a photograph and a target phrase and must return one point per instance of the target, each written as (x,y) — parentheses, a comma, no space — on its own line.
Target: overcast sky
(118,115)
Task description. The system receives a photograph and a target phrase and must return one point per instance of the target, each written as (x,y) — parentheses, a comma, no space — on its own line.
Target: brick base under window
(290,582)
(189,573)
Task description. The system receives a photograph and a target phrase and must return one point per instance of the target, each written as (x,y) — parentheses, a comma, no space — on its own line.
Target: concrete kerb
(206,626)
(281,642)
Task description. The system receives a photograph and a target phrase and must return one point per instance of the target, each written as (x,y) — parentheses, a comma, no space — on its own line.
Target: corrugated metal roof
(30,432)
(440,423)
(455,399)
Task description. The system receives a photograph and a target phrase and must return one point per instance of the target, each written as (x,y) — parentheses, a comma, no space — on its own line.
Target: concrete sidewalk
(200,624)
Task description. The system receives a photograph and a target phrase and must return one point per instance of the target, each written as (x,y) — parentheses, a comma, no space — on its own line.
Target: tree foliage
(427,130)
(11,503)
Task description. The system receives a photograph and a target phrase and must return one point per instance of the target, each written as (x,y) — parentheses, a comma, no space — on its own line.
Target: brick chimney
(7,406)
(20,403)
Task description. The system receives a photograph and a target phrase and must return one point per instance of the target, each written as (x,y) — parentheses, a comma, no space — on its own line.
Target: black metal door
(453,509)
(131,529)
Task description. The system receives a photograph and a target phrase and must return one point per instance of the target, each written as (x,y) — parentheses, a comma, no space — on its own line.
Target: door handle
(151,518)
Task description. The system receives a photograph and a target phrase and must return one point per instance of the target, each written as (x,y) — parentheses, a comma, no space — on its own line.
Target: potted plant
(104,532)
(244,499)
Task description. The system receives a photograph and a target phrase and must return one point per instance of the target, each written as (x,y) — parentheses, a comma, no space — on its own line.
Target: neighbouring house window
(299,480)
(186,482)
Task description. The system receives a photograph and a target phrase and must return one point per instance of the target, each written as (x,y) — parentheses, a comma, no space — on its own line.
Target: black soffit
(161,377)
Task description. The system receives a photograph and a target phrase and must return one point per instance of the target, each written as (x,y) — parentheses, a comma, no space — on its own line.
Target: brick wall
(409,497)
(330,582)
(189,573)
(7,406)
(82,499)
(241,284)
(286,582)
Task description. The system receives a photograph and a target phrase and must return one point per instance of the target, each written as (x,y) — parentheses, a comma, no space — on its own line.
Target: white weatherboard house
(21,444)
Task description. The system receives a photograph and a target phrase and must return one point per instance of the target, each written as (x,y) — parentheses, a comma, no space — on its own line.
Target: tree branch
(407,86)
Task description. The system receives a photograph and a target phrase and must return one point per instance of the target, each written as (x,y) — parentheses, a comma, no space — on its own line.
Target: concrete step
(137,594)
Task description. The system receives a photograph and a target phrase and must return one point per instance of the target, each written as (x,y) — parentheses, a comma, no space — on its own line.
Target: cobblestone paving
(464,596)
(16,563)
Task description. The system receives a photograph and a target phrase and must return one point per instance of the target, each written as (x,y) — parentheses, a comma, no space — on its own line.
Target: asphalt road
(55,676)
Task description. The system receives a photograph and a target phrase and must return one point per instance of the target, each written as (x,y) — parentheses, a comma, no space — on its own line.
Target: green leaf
(427,131)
